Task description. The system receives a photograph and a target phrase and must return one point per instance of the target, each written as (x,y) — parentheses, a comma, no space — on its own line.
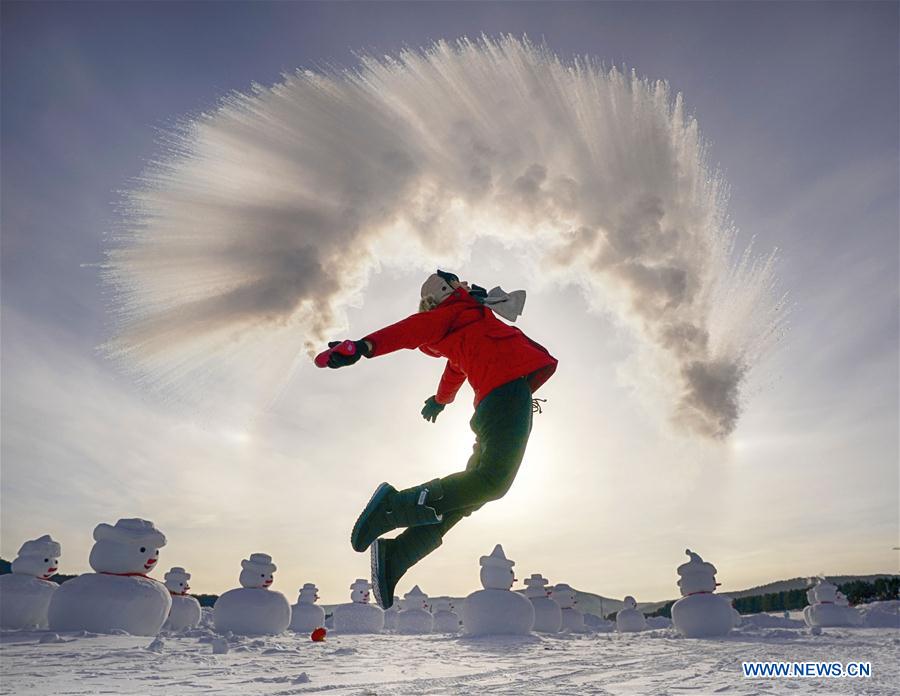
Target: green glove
(432,409)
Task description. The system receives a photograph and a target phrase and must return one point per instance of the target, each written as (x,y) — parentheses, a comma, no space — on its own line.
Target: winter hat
(696,566)
(260,562)
(437,288)
(176,580)
(177,574)
(497,559)
(536,579)
(44,546)
(415,593)
(128,531)
(536,585)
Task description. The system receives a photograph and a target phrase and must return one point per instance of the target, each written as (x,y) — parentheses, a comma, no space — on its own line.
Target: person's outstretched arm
(414,331)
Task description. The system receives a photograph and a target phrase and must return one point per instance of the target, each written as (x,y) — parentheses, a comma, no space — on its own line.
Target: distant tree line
(856,592)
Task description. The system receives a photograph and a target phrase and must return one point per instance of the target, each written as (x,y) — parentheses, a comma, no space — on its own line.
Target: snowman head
(309,594)
(536,586)
(442,605)
(841,599)
(629,603)
(564,596)
(696,575)
(359,591)
(257,572)
(129,546)
(824,591)
(415,599)
(177,581)
(496,570)
(38,558)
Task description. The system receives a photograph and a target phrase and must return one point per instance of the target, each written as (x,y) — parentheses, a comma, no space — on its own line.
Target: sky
(798,103)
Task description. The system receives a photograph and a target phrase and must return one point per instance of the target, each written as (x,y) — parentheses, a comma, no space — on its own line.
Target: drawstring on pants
(536,405)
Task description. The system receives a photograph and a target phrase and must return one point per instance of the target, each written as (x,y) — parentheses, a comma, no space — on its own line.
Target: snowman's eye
(263,575)
(46,560)
(143,549)
(157,552)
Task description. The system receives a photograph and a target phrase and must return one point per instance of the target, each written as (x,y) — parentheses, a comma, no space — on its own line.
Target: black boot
(390,509)
(391,558)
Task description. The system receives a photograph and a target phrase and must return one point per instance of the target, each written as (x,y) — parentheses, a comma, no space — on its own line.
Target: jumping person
(504,368)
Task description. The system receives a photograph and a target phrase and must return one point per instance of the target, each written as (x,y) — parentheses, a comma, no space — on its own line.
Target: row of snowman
(120,595)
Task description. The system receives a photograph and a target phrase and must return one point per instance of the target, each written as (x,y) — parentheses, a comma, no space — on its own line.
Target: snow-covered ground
(653,662)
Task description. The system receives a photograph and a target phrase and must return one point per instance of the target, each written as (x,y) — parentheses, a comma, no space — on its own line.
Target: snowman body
(390,615)
(629,619)
(25,593)
(253,609)
(547,613)
(185,612)
(496,610)
(119,596)
(572,618)
(700,613)
(446,620)
(306,615)
(414,616)
(359,616)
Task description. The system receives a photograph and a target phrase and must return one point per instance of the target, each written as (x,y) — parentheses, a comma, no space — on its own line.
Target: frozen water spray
(242,245)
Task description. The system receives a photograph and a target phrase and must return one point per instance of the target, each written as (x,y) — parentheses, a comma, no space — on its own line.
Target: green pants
(502,424)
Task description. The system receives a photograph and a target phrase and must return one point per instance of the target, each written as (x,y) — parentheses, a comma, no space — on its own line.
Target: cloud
(263,219)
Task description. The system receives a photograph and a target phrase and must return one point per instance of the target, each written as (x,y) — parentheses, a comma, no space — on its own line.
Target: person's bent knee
(495,487)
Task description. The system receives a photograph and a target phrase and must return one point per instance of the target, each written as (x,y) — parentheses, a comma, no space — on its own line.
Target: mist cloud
(263,218)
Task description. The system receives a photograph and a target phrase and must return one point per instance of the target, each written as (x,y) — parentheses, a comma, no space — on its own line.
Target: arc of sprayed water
(245,241)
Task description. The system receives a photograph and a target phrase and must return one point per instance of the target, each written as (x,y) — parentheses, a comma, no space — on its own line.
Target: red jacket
(477,345)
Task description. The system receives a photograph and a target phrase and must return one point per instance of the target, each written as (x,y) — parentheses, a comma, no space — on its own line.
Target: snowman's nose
(151,561)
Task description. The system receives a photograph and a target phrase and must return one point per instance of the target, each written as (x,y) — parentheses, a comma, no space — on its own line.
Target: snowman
(306,615)
(547,614)
(700,613)
(119,596)
(828,607)
(25,593)
(390,615)
(629,619)
(253,609)
(185,611)
(414,616)
(572,619)
(359,616)
(445,619)
(496,610)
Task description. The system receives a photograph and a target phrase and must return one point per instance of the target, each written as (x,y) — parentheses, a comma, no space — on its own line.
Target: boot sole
(377,497)
(375,567)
